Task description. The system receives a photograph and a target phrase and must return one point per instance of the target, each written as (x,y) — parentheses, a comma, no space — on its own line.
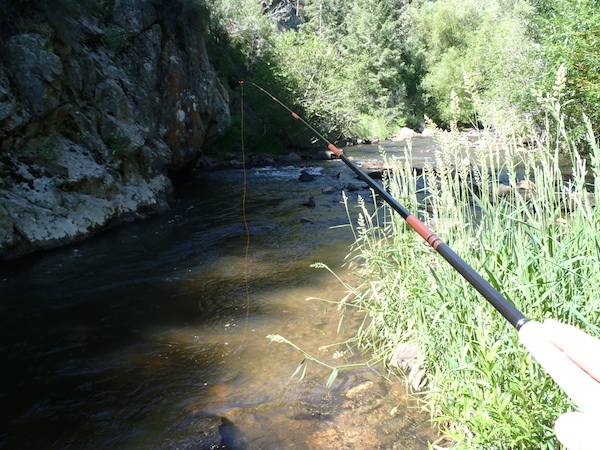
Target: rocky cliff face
(96,107)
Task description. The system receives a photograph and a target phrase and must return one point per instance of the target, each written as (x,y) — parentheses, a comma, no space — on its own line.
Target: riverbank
(537,248)
(98,103)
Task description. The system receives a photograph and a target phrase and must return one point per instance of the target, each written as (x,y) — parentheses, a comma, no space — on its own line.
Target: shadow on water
(144,337)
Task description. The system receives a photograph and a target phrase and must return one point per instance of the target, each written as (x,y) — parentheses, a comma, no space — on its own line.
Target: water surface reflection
(133,338)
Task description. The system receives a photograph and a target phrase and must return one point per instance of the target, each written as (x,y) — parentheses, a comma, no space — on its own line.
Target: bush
(487,42)
(349,66)
(568,33)
(237,45)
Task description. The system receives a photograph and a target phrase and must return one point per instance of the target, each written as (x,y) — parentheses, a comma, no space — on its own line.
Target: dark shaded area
(87,361)
(267,127)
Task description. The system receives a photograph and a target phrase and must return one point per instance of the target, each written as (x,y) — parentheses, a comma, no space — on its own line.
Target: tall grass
(539,247)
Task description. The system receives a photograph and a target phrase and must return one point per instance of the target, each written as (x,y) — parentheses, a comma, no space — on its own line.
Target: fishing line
(244,203)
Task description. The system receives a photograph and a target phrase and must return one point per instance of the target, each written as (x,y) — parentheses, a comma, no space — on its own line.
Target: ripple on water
(144,336)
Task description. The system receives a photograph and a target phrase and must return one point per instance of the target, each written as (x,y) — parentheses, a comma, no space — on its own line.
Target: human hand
(577,430)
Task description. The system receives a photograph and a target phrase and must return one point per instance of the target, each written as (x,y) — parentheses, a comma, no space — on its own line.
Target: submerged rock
(359,389)
(290,158)
(306,177)
(196,432)
(310,202)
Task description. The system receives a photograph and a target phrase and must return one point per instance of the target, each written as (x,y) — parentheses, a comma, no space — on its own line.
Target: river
(146,336)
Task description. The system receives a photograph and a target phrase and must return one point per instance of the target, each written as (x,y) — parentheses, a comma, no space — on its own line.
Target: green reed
(539,247)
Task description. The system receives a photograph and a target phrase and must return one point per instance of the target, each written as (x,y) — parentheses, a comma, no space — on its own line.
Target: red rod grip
(429,236)
(334,149)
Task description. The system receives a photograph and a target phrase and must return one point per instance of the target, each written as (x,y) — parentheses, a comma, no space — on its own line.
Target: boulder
(504,190)
(306,177)
(324,155)
(403,134)
(94,113)
(195,431)
(376,169)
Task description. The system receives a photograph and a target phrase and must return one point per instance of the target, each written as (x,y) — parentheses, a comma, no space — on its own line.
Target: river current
(145,335)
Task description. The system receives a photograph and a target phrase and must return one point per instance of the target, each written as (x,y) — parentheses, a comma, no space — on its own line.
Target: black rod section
(502,305)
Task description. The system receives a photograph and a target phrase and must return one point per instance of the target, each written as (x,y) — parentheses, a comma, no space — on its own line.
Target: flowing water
(145,336)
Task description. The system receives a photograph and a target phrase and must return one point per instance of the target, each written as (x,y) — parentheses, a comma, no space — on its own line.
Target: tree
(353,64)
(325,18)
(569,34)
(315,75)
(242,23)
(480,51)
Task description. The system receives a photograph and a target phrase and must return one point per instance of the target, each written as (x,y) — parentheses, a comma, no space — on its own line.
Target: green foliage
(373,40)
(537,247)
(242,24)
(362,68)
(237,44)
(347,64)
(569,34)
(325,18)
(345,67)
(484,41)
(307,65)
(266,128)
(491,54)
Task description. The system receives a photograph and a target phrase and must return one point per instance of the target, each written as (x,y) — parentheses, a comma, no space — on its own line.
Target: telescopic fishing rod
(578,385)
(504,307)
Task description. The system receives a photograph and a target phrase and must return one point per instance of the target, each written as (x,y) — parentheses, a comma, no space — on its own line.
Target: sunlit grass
(537,246)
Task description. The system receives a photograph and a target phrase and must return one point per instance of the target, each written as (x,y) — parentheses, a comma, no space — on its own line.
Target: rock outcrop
(97,107)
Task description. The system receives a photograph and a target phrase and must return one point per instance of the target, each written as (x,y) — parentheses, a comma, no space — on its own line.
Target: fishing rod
(578,385)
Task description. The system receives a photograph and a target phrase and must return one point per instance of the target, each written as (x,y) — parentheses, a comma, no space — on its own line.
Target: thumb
(578,431)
